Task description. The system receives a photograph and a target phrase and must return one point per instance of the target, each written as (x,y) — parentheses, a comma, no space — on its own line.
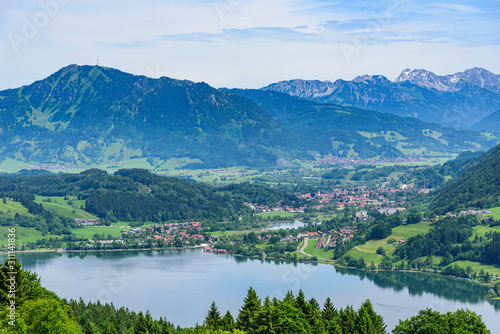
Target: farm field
(89,231)
(477,267)
(61,206)
(401,232)
(318,252)
(495,212)
(11,166)
(283,214)
(23,235)
(482,230)
(368,251)
(10,208)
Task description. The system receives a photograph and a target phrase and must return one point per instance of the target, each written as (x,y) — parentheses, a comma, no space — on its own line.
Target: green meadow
(23,235)
(283,214)
(10,208)
(318,252)
(368,251)
(64,207)
(89,231)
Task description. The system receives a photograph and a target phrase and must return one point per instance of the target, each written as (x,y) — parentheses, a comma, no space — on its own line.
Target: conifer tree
(248,310)
(227,322)
(141,326)
(289,297)
(348,318)
(333,326)
(13,277)
(329,312)
(263,320)
(376,322)
(213,319)
(301,304)
(109,328)
(314,317)
(90,328)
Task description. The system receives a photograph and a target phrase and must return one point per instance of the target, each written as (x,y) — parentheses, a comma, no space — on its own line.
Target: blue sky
(247,43)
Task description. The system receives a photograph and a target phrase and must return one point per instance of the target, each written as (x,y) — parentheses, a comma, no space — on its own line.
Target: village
(387,200)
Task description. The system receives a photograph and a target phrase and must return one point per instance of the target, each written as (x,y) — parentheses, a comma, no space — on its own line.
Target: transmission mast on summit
(97,61)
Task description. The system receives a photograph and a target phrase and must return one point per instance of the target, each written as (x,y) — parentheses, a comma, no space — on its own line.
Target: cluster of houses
(390,211)
(350,162)
(471,211)
(358,197)
(168,233)
(330,238)
(86,222)
(60,167)
(278,207)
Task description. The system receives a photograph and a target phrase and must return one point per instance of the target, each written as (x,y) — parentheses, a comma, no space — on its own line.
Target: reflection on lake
(180,285)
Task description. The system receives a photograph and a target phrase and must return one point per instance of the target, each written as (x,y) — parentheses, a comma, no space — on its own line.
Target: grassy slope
(89,231)
(495,212)
(320,253)
(368,251)
(476,266)
(61,206)
(274,214)
(23,235)
(14,207)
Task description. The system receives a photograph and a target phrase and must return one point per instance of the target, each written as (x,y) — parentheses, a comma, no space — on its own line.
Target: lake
(180,285)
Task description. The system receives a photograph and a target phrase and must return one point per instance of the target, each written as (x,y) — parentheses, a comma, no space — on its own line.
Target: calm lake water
(181,285)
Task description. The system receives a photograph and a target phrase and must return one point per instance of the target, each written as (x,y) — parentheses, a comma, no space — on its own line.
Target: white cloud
(461,8)
(249,43)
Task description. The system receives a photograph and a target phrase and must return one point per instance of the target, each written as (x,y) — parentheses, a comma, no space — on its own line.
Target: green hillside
(65,207)
(85,115)
(331,129)
(91,116)
(491,123)
(478,187)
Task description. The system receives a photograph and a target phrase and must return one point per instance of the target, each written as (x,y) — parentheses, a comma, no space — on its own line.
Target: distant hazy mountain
(90,115)
(452,82)
(491,123)
(420,94)
(331,128)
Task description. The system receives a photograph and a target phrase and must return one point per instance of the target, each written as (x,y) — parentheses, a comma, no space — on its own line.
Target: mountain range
(331,129)
(458,100)
(90,114)
(84,115)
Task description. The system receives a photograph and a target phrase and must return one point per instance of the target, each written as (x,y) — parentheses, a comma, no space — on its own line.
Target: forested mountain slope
(478,187)
(92,114)
(346,130)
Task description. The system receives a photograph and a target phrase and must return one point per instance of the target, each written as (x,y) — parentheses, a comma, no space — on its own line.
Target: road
(302,251)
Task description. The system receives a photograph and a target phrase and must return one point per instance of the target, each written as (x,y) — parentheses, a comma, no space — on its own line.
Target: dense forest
(35,310)
(135,195)
(478,187)
(436,176)
(262,195)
